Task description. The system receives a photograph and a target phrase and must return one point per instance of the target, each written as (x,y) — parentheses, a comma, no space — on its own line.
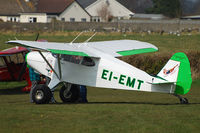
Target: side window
(71,58)
(86,61)
(32,19)
(2,62)
(63,19)
(83,19)
(20,58)
(8,59)
(65,57)
(76,59)
(72,19)
(14,58)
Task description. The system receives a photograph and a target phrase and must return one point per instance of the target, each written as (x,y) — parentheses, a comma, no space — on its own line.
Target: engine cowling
(36,61)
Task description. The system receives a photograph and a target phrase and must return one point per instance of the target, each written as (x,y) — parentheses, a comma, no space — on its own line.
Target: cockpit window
(2,62)
(65,57)
(86,61)
(15,58)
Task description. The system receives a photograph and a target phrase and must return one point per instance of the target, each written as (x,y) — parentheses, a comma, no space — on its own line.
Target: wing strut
(59,66)
(49,64)
(76,37)
(90,38)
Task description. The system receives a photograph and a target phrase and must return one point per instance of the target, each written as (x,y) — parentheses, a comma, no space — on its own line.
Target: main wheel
(41,94)
(71,94)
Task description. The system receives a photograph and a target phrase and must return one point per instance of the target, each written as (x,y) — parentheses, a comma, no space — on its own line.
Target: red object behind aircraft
(13,66)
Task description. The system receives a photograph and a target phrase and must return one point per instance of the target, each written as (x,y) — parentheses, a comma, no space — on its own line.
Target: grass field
(165,43)
(109,111)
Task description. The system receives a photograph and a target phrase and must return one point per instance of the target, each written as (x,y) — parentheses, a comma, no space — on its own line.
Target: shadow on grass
(13,91)
(134,103)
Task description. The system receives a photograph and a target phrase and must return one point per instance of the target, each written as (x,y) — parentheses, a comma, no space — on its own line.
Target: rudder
(177,70)
(184,79)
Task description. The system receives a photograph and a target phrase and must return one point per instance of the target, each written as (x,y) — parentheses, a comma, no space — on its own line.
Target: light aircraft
(12,64)
(95,64)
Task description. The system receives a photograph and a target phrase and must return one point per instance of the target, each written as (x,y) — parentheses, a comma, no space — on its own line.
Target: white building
(74,13)
(101,10)
(10,18)
(63,10)
(33,17)
(44,12)
(10,9)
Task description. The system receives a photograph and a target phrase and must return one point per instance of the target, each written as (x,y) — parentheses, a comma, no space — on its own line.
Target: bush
(152,64)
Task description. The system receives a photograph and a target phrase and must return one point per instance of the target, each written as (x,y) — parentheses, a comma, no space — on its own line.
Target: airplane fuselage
(106,72)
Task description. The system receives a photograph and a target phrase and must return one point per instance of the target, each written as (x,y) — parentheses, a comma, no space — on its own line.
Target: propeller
(37,36)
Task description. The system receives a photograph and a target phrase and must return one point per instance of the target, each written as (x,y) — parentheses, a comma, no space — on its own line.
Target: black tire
(41,94)
(184,101)
(72,95)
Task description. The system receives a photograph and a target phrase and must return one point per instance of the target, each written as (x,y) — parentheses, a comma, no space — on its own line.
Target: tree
(170,8)
(104,12)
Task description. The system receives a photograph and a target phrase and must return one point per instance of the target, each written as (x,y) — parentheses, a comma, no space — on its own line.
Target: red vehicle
(13,66)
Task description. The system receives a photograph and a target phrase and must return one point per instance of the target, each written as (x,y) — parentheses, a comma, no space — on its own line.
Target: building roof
(14,7)
(149,16)
(191,17)
(85,3)
(138,6)
(53,6)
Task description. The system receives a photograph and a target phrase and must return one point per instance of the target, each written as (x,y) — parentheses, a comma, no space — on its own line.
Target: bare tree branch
(104,12)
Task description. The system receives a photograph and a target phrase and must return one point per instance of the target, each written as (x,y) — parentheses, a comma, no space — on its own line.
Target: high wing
(119,48)
(115,48)
(57,48)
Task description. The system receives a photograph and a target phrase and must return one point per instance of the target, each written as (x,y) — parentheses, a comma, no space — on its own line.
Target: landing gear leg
(53,100)
(182,99)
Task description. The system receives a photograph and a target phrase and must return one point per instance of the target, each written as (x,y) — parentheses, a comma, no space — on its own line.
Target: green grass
(165,43)
(107,111)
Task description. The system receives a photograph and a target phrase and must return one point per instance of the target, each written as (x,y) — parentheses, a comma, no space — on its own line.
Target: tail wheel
(70,93)
(41,94)
(184,101)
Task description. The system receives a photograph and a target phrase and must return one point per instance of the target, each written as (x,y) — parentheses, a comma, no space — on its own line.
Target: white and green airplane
(95,64)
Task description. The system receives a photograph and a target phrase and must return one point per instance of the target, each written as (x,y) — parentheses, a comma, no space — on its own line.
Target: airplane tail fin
(177,70)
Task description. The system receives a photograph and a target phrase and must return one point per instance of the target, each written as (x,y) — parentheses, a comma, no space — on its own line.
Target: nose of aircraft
(35,60)
(33,57)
